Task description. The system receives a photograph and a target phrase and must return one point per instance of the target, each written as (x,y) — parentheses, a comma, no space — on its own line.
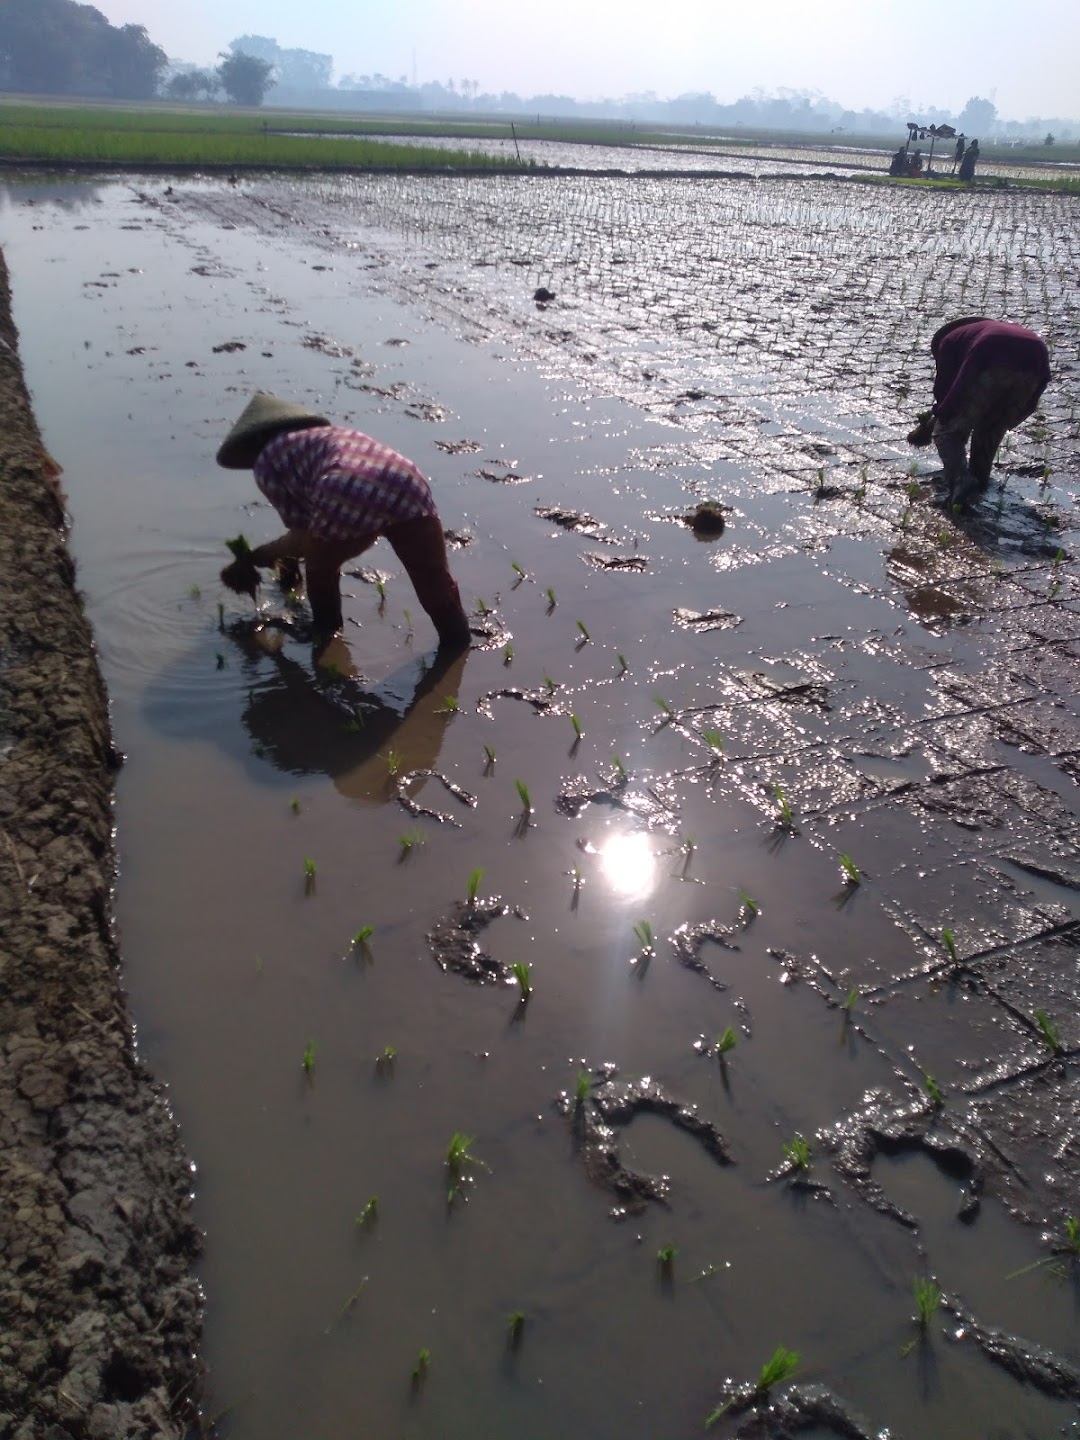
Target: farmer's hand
(923,432)
(242,576)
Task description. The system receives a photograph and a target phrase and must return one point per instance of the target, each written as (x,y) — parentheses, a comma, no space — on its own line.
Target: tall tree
(977,117)
(245,78)
(59,47)
(132,64)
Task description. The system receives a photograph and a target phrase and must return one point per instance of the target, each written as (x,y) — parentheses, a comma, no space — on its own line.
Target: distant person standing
(990,377)
(958,153)
(967,164)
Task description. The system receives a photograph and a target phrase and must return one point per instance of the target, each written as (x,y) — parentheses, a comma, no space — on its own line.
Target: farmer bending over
(990,376)
(338,491)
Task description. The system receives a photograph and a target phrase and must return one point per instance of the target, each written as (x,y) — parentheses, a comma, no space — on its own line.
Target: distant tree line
(57,47)
(61,47)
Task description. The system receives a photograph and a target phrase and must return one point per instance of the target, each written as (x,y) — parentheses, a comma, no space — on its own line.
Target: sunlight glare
(629,865)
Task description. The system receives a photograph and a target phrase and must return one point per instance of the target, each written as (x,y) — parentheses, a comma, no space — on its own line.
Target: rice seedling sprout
(576,723)
(475,877)
(1050,1033)
(932,1088)
(663,706)
(449,706)
(749,904)
(948,939)
(643,932)
(725,1042)
(581,626)
(927,1300)
(778,1368)
(308,1058)
(797,1153)
(384,1061)
(459,1159)
(785,815)
(523,796)
(850,869)
(515,1327)
(522,973)
(781,1366)
(369,1214)
(552,602)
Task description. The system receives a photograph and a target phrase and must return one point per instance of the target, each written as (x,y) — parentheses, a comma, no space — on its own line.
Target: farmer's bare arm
(290,546)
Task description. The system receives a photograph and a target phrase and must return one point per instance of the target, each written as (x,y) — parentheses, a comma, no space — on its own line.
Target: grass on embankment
(110,135)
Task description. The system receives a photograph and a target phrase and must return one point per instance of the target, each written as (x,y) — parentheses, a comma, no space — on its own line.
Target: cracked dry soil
(100,1312)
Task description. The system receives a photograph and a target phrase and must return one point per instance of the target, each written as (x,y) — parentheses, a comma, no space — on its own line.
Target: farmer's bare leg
(951,441)
(1008,396)
(421,547)
(323,560)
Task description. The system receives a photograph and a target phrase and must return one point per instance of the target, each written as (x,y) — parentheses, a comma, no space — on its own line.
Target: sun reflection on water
(629,865)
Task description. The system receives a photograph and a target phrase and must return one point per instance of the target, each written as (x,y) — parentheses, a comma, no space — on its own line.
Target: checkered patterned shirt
(340,484)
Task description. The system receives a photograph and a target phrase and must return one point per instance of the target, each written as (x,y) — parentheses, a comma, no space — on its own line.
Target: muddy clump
(689,940)
(601,1112)
(882,1126)
(456,941)
(707,520)
(761,1415)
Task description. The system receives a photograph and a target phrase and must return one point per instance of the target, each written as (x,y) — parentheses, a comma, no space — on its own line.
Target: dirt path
(100,1314)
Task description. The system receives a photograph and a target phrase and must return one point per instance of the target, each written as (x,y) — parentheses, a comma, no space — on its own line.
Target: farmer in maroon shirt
(338,491)
(990,376)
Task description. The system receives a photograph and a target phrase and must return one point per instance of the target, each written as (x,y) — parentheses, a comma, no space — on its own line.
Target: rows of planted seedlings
(800,269)
(462,1165)
(834,285)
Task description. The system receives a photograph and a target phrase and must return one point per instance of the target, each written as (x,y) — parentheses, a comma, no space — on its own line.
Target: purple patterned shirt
(340,484)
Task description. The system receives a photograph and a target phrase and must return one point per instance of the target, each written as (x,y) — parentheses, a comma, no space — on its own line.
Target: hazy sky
(1024,57)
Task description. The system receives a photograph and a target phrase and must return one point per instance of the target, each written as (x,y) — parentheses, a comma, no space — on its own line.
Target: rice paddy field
(664,1015)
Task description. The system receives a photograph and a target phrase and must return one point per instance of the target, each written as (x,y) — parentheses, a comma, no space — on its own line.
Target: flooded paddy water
(847,671)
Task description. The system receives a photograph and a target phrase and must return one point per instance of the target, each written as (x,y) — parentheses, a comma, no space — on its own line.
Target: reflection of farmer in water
(338,491)
(304,727)
(990,377)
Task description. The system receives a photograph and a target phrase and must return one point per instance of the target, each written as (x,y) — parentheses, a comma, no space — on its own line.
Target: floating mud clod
(707,520)
(598,1118)
(455,941)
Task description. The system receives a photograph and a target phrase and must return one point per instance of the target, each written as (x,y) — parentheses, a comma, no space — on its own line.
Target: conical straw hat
(264,417)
